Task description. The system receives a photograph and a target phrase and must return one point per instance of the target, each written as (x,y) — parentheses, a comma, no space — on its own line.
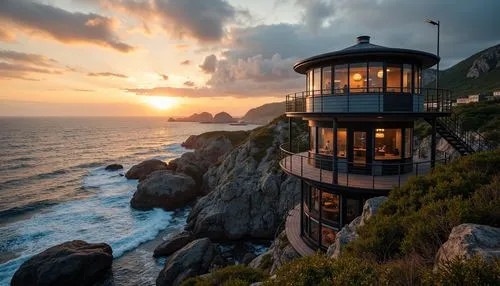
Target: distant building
(462,100)
(496,93)
(472,98)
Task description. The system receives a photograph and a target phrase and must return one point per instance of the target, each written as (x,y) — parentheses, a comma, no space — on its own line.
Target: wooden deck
(298,165)
(292,229)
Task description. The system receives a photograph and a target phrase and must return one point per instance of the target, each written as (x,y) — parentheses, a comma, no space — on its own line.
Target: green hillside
(455,78)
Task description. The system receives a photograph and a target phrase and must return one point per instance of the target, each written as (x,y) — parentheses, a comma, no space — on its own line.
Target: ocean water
(53,188)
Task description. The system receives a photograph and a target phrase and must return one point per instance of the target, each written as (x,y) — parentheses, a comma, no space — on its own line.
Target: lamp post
(436,23)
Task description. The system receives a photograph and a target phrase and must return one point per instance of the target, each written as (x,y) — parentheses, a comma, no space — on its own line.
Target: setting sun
(160,102)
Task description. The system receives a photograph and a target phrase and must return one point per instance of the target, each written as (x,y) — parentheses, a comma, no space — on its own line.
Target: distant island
(206,117)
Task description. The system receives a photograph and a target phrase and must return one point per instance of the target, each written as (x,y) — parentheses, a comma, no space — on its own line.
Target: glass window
(408,142)
(312,139)
(376,77)
(387,144)
(357,77)
(306,224)
(317,81)
(315,196)
(353,210)
(341,85)
(327,80)
(341,142)
(325,139)
(315,230)
(330,208)
(359,148)
(394,78)
(309,81)
(407,78)
(417,79)
(307,197)
(327,236)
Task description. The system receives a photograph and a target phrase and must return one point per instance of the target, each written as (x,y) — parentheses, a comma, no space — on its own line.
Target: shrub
(418,217)
(320,270)
(473,271)
(231,275)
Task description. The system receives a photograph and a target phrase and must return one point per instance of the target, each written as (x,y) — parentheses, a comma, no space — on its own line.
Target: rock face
(280,252)
(145,168)
(192,260)
(173,244)
(223,117)
(247,191)
(467,240)
(164,189)
(349,232)
(424,148)
(485,62)
(71,263)
(209,147)
(113,167)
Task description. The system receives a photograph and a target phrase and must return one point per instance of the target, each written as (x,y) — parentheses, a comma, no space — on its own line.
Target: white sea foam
(103,217)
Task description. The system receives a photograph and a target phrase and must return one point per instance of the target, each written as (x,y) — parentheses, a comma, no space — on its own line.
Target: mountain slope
(265,113)
(479,73)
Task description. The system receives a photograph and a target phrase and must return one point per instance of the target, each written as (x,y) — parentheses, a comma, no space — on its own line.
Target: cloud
(208,65)
(182,47)
(83,90)
(17,65)
(315,13)
(189,83)
(203,20)
(6,36)
(107,74)
(186,62)
(163,76)
(61,25)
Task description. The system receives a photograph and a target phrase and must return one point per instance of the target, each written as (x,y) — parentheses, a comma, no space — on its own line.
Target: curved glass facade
(364,77)
(324,214)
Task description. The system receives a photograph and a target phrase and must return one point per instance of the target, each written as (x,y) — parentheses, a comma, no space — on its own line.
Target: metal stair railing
(471,139)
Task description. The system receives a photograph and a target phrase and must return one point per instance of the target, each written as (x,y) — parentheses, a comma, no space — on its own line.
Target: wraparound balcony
(302,165)
(372,100)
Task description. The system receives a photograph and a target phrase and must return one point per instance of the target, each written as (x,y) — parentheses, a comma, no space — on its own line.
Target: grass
(236,137)
(228,276)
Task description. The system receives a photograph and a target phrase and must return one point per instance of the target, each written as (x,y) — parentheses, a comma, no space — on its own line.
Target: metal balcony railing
(422,100)
(304,165)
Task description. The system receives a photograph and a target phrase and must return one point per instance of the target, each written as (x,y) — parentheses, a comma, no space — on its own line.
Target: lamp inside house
(357,77)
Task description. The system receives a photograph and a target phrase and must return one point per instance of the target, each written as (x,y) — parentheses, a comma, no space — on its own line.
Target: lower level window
(314,230)
(327,236)
(387,144)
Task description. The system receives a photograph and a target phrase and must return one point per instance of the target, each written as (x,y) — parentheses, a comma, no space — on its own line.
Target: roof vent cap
(363,39)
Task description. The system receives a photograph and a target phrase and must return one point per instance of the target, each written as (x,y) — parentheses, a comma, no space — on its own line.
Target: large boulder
(468,240)
(349,232)
(113,167)
(247,192)
(71,263)
(142,170)
(192,260)
(223,117)
(280,252)
(164,189)
(173,244)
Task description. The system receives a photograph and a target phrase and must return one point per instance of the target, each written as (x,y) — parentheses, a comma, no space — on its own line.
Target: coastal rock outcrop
(349,232)
(143,169)
(173,244)
(192,260)
(223,117)
(209,147)
(164,189)
(468,240)
(113,167)
(71,263)
(247,191)
(280,252)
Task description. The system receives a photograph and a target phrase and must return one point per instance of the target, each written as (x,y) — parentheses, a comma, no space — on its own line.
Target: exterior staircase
(464,141)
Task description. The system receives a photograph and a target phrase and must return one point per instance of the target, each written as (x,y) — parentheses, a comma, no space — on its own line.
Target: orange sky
(178,57)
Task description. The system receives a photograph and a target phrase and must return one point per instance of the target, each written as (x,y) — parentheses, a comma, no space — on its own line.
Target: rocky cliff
(265,113)
(247,191)
(485,62)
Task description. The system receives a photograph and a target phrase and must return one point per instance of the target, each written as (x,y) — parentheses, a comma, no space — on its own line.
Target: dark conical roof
(366,51)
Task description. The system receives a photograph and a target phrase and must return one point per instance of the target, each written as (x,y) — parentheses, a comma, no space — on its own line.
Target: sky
(178,57)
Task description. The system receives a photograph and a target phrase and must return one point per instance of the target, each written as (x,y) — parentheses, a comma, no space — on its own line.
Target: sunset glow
(159,102)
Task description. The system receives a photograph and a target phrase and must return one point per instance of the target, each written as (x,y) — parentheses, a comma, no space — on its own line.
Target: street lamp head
(432,22)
